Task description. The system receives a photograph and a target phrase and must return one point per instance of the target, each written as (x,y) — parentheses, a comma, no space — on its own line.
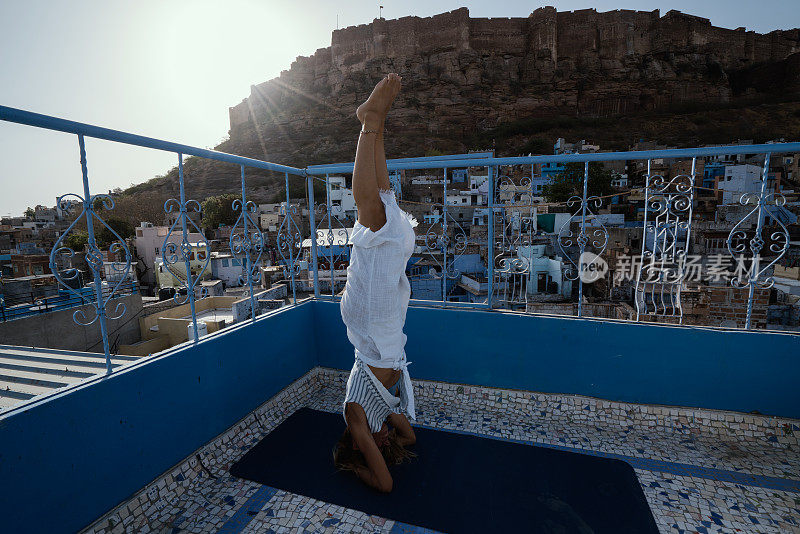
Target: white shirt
(375,300)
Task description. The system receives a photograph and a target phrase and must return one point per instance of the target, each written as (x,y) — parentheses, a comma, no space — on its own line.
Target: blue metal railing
(13,308)
(244,241)
(506,266)
(639,155)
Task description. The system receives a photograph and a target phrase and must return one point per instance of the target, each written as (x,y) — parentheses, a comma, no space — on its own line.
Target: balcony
(149,446)
(707,418)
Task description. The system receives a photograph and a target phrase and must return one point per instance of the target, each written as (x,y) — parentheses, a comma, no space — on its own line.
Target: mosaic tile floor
(701,471)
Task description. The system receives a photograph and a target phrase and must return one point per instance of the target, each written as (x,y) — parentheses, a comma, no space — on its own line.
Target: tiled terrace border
(701,470)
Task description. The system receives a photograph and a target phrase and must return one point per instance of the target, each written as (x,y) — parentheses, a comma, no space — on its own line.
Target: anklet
(370,131)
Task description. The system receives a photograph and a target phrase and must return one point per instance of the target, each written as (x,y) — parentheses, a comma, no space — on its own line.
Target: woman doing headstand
(374,306)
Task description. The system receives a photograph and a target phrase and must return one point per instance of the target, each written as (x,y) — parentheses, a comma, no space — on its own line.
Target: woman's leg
(381,171)
(372,114)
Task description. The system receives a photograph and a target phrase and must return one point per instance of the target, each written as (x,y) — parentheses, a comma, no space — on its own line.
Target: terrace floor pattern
(700,470)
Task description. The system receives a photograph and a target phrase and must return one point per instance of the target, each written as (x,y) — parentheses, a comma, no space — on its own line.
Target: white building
(114,271)
(619,180)
(269,217)
(479,189)
(544,272)
(738,180)
(581,147)
(342,202)
(427,180)
(149,243)
(459,198)
(227,268)
(174,275)
(609,220)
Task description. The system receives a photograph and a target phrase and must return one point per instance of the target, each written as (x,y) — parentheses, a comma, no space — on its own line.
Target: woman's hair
(346,458)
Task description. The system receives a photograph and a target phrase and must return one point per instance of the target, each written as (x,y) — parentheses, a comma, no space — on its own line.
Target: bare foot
(372,112)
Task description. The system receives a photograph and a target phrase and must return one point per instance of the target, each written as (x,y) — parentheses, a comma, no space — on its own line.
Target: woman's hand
(405,434)
(376,475)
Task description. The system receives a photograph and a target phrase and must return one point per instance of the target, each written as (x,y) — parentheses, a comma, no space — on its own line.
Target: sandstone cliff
(470,81)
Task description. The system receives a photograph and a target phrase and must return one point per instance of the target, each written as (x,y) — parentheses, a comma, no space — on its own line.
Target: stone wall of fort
(461,74)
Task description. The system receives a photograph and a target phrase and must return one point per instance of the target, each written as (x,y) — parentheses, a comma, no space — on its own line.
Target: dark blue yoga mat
(458,483)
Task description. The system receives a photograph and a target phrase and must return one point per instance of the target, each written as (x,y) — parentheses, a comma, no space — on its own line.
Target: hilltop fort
(517,84)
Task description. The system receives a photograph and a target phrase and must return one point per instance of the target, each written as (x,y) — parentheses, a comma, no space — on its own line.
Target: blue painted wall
(65,462)
(693,367)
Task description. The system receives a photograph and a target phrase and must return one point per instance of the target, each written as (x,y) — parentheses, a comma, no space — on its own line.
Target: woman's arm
(376,474)
(402,427)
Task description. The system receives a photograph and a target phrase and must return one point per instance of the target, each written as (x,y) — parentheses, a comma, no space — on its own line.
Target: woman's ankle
(372,121)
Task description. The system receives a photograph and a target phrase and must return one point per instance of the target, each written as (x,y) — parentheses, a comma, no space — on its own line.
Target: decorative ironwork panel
(183,251)
(290,241)
(665,244)
(247,245)
(443,242)
(756,250)
(331,234)
(593,240)
(94,257)
(512,245)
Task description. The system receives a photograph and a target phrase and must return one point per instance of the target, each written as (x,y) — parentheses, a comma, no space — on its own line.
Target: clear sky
(171,68)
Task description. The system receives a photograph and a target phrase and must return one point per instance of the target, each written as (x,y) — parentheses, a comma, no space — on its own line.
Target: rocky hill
(515,85)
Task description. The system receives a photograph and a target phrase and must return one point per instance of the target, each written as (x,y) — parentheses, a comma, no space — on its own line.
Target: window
(156,251)
(225,262)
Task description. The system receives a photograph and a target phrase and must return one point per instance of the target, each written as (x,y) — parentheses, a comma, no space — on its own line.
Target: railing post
(490,233)
(756,244)
(97,264)
(331,236)
(291,240)
(582,242)
(444,240)
(247,260)
(644,242)
(186,258)
(313,225)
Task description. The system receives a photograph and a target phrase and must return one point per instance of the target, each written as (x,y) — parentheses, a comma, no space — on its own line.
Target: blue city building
(538,183)
(552,169)
(459,175)
(711,172)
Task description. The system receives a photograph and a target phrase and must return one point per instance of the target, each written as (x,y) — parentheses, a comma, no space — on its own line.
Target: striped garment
(364,388)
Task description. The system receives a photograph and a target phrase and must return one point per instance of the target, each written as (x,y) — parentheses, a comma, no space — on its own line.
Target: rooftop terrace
(149,446)
(707,418)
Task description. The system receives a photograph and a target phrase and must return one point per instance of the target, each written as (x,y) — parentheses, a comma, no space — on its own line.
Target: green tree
(105,237)
(218,210)
(570,182)
(30,213)
(76,240)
